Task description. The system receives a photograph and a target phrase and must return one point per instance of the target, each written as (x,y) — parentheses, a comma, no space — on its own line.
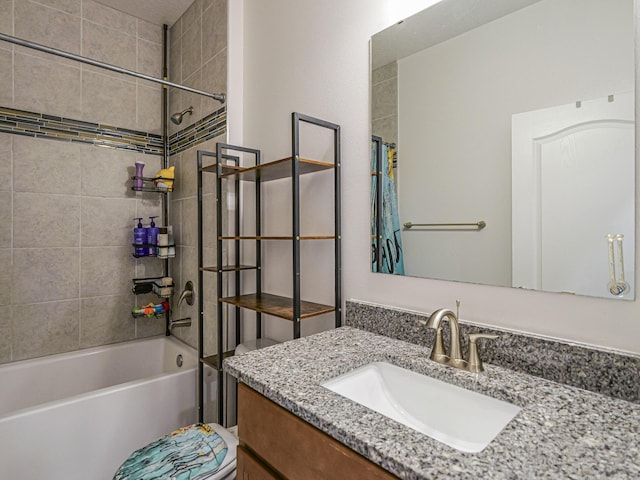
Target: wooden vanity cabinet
(275,444)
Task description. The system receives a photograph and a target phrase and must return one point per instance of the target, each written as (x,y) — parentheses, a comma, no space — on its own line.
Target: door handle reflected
(617,284)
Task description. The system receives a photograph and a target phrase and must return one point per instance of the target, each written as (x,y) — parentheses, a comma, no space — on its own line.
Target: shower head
(177,117)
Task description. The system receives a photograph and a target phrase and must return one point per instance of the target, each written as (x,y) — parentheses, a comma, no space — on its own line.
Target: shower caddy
(230,171)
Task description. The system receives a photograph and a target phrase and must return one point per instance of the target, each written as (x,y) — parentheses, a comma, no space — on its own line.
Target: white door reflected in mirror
(573,186)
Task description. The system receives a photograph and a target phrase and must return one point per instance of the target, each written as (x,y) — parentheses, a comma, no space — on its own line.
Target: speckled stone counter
(611,373)
(561,431)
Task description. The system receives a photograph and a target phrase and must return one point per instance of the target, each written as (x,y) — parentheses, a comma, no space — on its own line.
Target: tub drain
(179,360)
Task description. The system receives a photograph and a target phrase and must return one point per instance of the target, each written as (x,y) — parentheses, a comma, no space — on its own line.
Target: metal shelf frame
(228,168)
(219,269)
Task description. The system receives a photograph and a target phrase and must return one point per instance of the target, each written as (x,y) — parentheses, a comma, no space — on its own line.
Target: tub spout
(182,322)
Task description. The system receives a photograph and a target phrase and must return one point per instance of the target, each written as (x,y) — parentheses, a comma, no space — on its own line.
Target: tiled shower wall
(384,112)
(66,209)
(198,58)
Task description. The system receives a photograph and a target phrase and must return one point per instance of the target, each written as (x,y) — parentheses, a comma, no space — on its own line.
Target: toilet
(254,345)
(203,451)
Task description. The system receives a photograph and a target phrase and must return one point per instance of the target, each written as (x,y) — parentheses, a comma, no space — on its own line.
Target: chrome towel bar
(478,225)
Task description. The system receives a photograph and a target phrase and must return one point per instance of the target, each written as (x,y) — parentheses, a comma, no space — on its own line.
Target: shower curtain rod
(221,97)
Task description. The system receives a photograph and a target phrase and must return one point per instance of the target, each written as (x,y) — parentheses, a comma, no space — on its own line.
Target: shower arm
(221,97)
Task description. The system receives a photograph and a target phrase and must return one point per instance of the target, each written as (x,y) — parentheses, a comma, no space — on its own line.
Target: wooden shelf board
(277,306)
(278,169)
(212,360)
(265,237)
(226,169)
(229,268)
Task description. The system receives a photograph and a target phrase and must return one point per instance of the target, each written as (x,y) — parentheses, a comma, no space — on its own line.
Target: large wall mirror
(503,145)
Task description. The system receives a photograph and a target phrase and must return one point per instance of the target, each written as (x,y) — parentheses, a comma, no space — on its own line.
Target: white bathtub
(80,415)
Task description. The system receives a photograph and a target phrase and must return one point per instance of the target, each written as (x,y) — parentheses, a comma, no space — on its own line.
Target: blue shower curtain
(391,242)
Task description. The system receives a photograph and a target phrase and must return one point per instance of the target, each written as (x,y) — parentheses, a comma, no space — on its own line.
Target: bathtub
(80,415)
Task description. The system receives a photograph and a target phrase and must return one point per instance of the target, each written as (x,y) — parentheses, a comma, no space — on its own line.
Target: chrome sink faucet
(454,357)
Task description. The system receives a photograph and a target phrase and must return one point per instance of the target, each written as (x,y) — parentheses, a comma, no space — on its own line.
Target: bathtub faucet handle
(187,294)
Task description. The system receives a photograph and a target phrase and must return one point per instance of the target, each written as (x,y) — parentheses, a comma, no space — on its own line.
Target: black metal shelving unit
(244,165)
(376,227)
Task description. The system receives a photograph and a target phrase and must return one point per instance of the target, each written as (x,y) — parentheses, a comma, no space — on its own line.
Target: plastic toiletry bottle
(152,238)
(139,239)
(163,243)
(138,182)
(172,246)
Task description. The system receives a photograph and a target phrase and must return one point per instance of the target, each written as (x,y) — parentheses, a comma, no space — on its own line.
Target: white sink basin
(460,418)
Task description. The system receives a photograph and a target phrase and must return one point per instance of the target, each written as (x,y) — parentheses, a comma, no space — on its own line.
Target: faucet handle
(187,294)
(475,364)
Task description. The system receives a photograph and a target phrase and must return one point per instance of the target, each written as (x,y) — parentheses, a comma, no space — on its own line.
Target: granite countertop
(561,431)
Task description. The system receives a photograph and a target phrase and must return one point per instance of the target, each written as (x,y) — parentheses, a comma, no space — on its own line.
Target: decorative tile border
(41,125)
(205,129)
(610,373)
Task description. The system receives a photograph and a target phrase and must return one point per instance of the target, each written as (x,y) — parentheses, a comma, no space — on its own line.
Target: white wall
(489,74)
(313,57)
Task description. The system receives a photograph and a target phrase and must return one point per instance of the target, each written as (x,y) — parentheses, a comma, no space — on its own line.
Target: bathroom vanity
(317,455)
(288,422)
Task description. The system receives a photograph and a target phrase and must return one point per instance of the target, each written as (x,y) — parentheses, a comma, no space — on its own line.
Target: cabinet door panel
(250,468)
(293,447)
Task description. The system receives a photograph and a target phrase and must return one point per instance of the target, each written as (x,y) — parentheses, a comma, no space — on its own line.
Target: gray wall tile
(191,50)
(108,45)
(6,161)
(6,16)
(47,166)
(107,172)
(6,270)
(69,6)
(149,58)
(148,205)
(189,233)
(149,111)
(174,161)
(385,99)
(188,169)
(147,267)
(108,222)
(108,100)
(45,274)
(46,220)
(106,271)
(192,99)
(214,29)
(149,31)
(189,263)
(175,62)
(209,222)
(6,77)
(6,232)
(149,327)
(386,72)
(210,315)
(47,26)
(45,328)
(6,337)
(175,32)
(44,86)
(192,15)
(176,271)
(386,127)
(108,17)
(106,320)
(214,79)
